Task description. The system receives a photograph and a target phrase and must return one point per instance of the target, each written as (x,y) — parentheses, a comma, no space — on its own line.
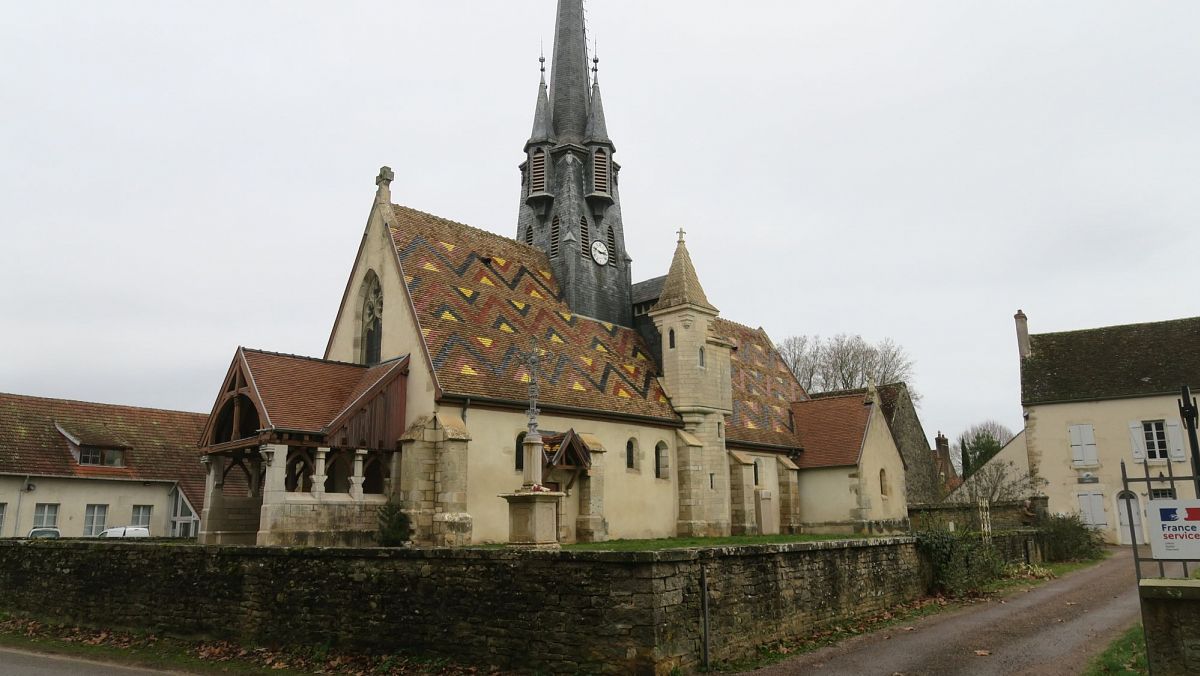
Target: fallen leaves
(982,653)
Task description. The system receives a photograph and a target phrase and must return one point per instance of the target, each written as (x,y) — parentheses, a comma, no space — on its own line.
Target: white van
(125,532)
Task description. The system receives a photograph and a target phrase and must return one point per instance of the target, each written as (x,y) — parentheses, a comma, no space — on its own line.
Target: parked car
(42,532)
(125,532)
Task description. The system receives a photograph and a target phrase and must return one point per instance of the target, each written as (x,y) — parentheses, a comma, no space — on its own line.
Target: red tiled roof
(832,429)
(159,445)
(763,388)
(303,393)
(479,297)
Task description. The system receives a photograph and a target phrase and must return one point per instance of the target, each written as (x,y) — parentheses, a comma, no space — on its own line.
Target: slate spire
(597,130)
(542,128)
(569,74)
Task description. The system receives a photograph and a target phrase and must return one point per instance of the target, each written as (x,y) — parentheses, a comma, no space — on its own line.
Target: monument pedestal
(533,518)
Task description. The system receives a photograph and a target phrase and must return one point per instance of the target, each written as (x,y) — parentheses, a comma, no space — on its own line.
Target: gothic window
(554,235)
(701,357)
(529,235)
(631,454)
(671,339)
(757,477)
(883,485)
(662,461)
(372,320)
(520,463)
(537,171)
(612,247)
(585,237)
(600,170)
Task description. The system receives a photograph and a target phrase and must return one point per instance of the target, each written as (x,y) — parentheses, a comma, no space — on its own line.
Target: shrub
(962,563)
(1067,538)
(393,525)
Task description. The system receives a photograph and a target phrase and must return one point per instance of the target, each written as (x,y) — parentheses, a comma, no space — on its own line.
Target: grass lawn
(1126,656)
(686,543)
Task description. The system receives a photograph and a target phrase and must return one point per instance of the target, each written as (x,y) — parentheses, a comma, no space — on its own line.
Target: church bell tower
(569,203)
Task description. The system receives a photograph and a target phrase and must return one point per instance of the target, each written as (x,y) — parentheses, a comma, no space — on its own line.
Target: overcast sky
(178,179)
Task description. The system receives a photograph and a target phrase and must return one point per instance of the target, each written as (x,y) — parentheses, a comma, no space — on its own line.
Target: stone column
(532,472)
(590,526)
(741,494)
(274,488)
(391,480)
(213,507)
(318,478)
(356,480)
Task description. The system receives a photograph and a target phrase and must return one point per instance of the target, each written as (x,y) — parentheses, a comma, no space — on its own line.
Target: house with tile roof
(1094,398)
(675,420)
(81,467)
(852,471)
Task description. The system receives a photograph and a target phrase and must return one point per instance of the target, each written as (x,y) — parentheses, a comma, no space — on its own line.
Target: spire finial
(682,232)
(595,62)
(383,183)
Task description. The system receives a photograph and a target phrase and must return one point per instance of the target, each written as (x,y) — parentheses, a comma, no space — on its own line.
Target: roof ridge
(100,403)
(1117,326)
(834,394)
(317,359)
(507,240)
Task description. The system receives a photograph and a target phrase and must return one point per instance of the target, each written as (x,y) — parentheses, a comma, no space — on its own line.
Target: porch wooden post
(356,481)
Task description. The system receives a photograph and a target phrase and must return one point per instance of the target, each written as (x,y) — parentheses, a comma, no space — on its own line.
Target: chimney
(1022,333)
(941,444)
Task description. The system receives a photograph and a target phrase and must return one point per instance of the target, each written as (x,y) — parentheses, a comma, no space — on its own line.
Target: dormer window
(105,457)
(537,171)
(600,170)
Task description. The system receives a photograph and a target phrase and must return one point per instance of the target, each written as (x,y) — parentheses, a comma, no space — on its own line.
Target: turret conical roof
(543,130)
(682,286)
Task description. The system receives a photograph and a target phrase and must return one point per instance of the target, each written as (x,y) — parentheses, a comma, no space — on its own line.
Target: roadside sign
(1174,529)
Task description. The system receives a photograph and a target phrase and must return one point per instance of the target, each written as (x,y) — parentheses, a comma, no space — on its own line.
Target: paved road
(21,663)
(1053,630)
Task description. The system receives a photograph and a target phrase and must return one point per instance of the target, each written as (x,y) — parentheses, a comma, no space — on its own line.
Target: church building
(658,416)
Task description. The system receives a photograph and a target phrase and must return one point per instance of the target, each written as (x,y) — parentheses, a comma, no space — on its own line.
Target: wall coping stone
(1171,590)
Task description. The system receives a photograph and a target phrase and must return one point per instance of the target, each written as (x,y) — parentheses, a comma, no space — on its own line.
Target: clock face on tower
(599,253)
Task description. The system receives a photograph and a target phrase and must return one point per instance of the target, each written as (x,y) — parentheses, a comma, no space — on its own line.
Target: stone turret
(696,368)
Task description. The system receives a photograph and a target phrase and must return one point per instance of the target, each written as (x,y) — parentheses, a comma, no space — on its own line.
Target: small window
(529,235)
(612,248)
(141,516)
(585,238)
(883,483)
(1162,493)
(94,517)
(630,454)
(537,171)
(108,457)
(671,339)
(662,459)
(757,477)
(555,232)
(45,515)
(701,357)
(1155,433)
(520,462)
(600,170)
(712,481)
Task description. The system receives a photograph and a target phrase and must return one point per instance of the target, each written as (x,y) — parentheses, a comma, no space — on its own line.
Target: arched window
(520,463)
(631,454)
(371,331)
(537,171)
(757,478)
(554,234)
(662,461)
(585,237)
(701,357)
(600,170)
(671,339)
(529,235)
(883,484)
(612,247)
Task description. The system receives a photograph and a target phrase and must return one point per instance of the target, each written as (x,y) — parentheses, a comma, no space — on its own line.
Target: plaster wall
(401,333)
(1048,445)
(636,503)
(880,453)
(826,494)
(74,495)
(1014,456)
(768,481)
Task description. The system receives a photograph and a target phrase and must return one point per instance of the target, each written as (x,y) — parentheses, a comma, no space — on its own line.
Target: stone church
(658,416)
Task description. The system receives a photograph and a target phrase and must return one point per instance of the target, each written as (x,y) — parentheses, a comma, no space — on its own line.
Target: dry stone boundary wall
(630,612)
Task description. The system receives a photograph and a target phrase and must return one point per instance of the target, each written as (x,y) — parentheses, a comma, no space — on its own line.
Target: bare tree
(845,362)
(999,481)
(979,443)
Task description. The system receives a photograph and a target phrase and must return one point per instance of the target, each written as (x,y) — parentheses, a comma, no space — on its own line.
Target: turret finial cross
(682,232)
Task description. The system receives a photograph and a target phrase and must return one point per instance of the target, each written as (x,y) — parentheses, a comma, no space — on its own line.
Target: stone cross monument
(532,508)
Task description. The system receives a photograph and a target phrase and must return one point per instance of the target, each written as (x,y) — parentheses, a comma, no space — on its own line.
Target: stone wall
(965,516)
(635,612)
(1171,616)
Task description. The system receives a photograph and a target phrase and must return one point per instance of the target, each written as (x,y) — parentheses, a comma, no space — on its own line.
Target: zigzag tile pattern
(479,298)
(763,388)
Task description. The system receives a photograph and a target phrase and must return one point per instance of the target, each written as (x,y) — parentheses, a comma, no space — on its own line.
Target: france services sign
(1175,529)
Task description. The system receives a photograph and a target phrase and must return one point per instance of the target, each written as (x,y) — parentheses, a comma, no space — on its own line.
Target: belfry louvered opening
(585,237)
(554,236)
(612,247)
(537,171)
(600,170)
(529,235)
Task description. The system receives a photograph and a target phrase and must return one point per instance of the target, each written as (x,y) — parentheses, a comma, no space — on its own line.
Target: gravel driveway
(1054,629)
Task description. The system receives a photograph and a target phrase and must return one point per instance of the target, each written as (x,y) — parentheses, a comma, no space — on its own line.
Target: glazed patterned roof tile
(479,297)
(160,445)
(763,388)
(832,429)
